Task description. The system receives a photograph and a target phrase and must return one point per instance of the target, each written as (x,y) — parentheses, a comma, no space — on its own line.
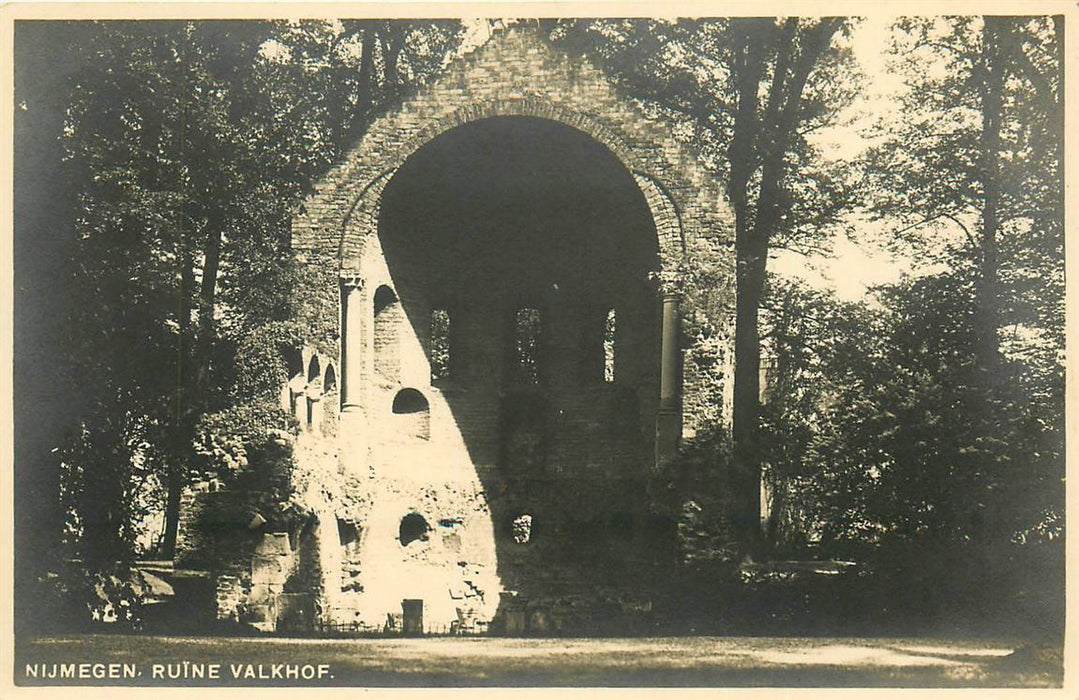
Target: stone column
(352,345)
(669,418)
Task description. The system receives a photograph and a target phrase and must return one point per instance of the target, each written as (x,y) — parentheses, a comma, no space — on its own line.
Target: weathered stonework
(522,485)
(517,73)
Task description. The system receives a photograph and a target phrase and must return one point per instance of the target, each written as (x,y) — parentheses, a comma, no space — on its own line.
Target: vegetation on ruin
(187,145)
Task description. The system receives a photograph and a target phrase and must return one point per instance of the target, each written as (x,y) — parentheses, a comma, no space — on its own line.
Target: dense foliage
(878,416)
(188,144)
(921,428)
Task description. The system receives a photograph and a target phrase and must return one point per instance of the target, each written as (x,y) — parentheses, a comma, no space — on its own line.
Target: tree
(763,138)
(972,171)
(982,92)
(750,91)
(188,144)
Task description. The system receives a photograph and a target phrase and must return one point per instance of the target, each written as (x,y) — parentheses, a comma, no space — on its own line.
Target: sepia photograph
(465,345)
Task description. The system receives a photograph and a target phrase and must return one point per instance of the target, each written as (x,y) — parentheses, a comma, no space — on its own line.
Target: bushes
(79,597)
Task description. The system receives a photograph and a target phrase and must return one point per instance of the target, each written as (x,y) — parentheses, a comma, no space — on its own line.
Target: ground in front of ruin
(646,661)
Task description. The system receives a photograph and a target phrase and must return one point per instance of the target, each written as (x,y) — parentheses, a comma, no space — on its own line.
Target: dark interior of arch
(555,205)
(293,361)
(409,401)
(413,527)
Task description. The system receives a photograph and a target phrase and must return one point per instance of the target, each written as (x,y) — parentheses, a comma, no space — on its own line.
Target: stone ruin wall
(469,566)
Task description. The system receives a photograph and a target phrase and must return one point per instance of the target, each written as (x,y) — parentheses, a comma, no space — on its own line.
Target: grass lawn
(648,661)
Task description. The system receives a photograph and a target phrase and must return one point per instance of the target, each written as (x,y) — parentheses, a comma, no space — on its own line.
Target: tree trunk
(992,107)
(992,526)
(367,65)
(181,410)
(393,40)
(750,57)
(174,496)
(792,70)
(174,476)
(746,471)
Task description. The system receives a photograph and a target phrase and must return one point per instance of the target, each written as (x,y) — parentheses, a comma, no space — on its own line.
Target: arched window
(293,376)
(413,527)
(388,317)
(293,362)
(528,327)
(440,344)
(329,384)
(314,390)
(609,329)
(414,413)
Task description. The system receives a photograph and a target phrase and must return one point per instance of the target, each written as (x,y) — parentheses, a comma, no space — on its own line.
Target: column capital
(351,279)
(670,283)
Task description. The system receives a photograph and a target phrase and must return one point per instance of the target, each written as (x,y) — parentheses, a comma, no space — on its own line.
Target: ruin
(491,394)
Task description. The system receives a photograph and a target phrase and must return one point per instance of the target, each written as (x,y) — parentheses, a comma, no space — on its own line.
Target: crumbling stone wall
(192,541)
(250,588)
(254,541)
(582,467)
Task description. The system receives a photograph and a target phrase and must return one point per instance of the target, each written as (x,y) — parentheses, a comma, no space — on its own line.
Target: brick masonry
(517,73)
(480,449)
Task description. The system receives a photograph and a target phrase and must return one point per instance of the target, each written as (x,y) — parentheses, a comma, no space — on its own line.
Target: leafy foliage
(974,176)
(188,143)
(880,435)
(746,92)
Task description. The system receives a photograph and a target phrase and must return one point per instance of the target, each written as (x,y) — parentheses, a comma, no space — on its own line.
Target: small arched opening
(294,379)
(329,388)
(293,361)
(314,390)
(413,527)
(413,413)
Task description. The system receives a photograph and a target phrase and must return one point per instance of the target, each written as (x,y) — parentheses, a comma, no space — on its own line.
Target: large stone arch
(361,221)
(463,472)
(516,73)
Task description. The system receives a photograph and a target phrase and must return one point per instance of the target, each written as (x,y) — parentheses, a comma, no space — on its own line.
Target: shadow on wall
(514,386)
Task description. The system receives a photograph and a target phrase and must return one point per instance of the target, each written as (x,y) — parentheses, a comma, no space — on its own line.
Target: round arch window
(413,527)
(411,409)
